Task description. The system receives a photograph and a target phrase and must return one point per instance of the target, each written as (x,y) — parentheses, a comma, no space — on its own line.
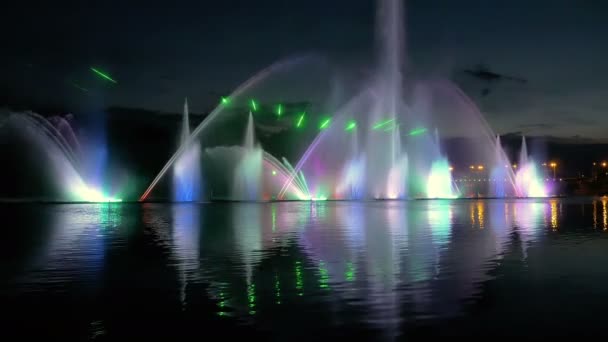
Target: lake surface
(378,270)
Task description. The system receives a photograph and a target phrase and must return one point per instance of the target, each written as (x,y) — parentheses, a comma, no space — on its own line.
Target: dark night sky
(161,53)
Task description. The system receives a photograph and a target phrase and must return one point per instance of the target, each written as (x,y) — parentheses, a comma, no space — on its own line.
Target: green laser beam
(390,128)
(325,123)
(279,109)
(103,75)
(352,124)
(382,123)
(299,123)
(75,85)
(417,131)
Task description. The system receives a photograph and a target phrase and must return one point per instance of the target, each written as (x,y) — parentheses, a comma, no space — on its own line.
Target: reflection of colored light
(221,303)
(279,109)
(300,119)
(554,214)
(273,210)
(350,272)
(594,214)
(103,75)
(277,289)
(323,276)
(251,298)
(324,123)
(299,278)
(350,125)
(480,214)
(605,213)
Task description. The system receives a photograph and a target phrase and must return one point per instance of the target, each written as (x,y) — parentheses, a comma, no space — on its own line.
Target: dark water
(376,270)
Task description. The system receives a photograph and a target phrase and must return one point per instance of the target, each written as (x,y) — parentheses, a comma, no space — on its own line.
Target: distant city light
(480,167)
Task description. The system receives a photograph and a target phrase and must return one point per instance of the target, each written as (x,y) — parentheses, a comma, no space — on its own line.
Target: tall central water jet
(248,173)
(385,168)
(187,169)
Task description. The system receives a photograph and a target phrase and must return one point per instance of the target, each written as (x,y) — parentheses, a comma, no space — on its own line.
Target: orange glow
(480,167)
(553,164)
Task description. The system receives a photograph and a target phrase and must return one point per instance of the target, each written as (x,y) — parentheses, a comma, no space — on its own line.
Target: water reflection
(377,265)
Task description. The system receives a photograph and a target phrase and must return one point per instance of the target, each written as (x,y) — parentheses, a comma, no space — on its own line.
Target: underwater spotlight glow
(381,124)
(87,194)
(417,131)
(324,123)
(320,198)
(352,124)
(279,109)
(439,181)
(300,120)
(103,75)
(254,105)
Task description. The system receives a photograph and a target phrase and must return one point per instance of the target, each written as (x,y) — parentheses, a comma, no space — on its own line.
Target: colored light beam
(279,109)
(325,123)
(417,131)
(254,105)
(352,124)
(382,123)
(300,120)
(75,85)
(103,75)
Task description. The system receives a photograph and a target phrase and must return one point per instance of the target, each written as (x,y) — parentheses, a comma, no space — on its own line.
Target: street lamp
(553,165)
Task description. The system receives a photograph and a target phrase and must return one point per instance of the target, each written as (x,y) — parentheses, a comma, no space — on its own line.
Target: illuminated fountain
(61,156)
(368,140)
(248,174)
(528,181)
(187,170)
